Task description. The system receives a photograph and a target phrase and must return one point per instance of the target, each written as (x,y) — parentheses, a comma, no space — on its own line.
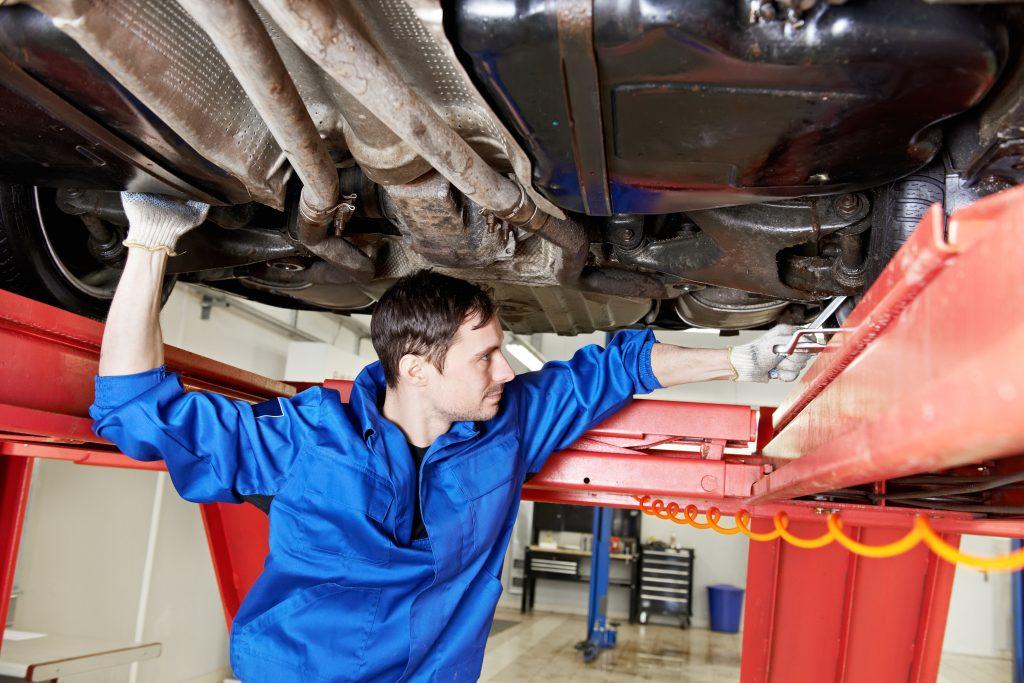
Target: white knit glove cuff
(156,222)
(747,366)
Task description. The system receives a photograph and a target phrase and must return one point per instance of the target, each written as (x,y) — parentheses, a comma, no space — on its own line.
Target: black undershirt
(418,530)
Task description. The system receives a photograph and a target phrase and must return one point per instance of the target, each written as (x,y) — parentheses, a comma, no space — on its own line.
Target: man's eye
(485,357)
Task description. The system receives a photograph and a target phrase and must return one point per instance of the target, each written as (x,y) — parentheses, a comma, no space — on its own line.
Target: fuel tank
(659,106)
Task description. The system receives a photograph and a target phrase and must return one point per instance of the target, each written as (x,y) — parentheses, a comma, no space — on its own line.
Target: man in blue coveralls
(390,515)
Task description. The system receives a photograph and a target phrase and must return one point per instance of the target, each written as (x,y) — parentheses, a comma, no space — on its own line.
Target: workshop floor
(539,647)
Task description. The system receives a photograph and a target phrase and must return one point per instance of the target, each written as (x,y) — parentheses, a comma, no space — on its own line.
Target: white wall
(233,337)
(81,565)
(316,361)
(980,613)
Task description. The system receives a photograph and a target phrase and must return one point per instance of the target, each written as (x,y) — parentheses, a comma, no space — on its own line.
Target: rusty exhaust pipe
(324,34)
(242,39)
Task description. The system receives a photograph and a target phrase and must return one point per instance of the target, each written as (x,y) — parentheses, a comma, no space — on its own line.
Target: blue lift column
(600,635)
(1017,592)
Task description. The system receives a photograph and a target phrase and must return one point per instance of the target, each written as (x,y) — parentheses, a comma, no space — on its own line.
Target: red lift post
(926,381)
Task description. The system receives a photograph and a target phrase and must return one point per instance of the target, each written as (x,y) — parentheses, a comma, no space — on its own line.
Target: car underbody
(595,164)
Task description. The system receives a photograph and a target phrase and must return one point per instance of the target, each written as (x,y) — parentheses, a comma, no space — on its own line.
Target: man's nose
(503,372)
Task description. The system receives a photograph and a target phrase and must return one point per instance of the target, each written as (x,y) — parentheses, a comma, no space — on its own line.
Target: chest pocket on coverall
(484,483)
(344,510)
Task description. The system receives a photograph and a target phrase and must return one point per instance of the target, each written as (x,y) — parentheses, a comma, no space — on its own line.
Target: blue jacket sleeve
(216,449)
(559,402)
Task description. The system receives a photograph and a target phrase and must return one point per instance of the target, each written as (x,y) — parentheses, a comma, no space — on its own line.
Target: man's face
(475,372)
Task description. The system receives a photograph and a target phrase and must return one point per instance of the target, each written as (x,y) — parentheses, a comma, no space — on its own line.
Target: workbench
(566,564)
(50,657)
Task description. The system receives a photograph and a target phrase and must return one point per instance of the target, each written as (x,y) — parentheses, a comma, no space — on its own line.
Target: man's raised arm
(131,339)
(215,448)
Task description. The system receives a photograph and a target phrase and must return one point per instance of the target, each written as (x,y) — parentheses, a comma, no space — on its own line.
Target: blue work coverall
(346,594)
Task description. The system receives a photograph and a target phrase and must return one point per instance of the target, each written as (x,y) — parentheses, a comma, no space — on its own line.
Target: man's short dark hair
(420,314)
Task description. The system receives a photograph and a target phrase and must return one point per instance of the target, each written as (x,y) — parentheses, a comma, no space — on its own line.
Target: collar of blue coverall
(368,395)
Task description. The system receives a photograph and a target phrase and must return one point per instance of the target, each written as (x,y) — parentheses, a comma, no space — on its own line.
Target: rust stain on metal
(815,220)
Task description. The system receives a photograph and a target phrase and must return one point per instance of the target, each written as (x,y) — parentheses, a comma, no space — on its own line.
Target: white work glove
(156,222)
(755,361)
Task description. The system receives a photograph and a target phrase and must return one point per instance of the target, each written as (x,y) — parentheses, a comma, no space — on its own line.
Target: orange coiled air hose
(920,532)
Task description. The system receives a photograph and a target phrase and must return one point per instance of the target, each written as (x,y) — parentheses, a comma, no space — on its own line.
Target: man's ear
(410,370)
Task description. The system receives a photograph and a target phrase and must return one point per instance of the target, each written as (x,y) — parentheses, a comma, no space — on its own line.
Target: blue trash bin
(725,603)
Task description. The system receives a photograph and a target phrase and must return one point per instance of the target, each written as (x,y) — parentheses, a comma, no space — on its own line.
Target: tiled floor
(540,648)
(967,669)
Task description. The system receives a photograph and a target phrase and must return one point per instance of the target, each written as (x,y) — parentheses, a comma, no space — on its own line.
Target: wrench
(814,327)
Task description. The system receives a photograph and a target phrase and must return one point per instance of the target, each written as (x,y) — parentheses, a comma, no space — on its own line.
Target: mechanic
(391,514)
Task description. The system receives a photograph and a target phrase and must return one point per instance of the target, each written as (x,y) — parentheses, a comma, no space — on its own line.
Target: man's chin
(486,412)
(486,409)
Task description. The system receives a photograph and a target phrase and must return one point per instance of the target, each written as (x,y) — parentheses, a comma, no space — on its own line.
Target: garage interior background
(117,554)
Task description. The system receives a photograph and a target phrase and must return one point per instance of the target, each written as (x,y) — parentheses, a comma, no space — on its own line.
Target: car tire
(44,255)
(895,213)
(897,210)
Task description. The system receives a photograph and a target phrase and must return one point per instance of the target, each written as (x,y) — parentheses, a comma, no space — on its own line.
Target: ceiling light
(525,356)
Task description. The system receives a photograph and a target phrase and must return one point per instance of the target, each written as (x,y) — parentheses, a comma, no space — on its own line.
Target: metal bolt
(848,204)
(627,234)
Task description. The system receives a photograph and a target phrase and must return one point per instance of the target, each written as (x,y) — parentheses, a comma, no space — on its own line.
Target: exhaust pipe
(324,34)
(243,41)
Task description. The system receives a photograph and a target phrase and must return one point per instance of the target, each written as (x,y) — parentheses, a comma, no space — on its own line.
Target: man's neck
(420,424)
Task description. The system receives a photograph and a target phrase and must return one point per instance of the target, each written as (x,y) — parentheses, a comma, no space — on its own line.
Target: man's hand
(156,222)
(755,361)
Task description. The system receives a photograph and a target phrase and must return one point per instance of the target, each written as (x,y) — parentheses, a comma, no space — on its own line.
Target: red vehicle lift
(923,380)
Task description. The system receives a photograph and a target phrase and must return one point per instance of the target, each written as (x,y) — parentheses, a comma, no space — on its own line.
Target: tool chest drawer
(666,584)
(541,564)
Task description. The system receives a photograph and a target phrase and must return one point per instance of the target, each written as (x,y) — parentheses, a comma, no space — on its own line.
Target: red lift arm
(931,375)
